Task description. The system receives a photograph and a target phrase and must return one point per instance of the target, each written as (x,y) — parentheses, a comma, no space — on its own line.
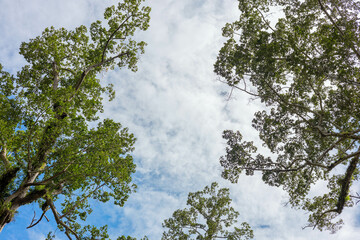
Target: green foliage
(210,216)
(130,238)
(304,66)
(47,148)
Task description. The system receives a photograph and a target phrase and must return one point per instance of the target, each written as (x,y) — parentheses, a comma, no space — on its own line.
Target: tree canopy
(209,217)
(303,64)
(49,154)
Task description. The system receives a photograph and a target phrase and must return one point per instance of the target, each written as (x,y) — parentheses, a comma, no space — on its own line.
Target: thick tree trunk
(9,204)
(8,208)
(6,216)
(6,178)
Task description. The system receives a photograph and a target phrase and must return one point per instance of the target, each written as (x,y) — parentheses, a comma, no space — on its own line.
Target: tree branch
(68,70)
(42,215)
(355,154)
(30,197)
(349,135)
(87,70)
(111,37)
(4,158)
(346,184)
(44,182)
(75,205)
(328,150)
(192,228)
(356,197)
(60,222)
(315,164)
(239,88)
(322,7)
(56,76)
(274,170)
(6,178)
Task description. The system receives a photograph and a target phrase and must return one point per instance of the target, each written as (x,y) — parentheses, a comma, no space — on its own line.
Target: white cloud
(174,106)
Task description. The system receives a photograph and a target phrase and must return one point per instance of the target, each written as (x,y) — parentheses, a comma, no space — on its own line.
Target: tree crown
(209,217)
(48,151)
(304,66)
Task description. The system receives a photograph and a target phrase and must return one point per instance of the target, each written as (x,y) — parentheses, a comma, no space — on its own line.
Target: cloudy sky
(177,109)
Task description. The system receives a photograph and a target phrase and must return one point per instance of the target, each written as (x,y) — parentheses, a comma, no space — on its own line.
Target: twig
(111,37)
(42,215)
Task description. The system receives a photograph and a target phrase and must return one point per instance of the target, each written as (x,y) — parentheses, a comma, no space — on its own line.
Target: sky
(177,108)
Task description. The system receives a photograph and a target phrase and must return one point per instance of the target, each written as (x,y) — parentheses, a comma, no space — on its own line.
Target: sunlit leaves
(48,151)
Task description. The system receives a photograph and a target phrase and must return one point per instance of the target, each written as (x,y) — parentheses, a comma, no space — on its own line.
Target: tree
(217,217)
(304,66)
(49,155)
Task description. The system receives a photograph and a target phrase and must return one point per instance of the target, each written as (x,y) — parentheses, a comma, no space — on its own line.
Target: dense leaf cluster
(209,217)
(303,65)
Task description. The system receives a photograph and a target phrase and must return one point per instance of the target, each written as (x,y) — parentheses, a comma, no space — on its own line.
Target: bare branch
(42,215)
(239,88)
(356,197)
